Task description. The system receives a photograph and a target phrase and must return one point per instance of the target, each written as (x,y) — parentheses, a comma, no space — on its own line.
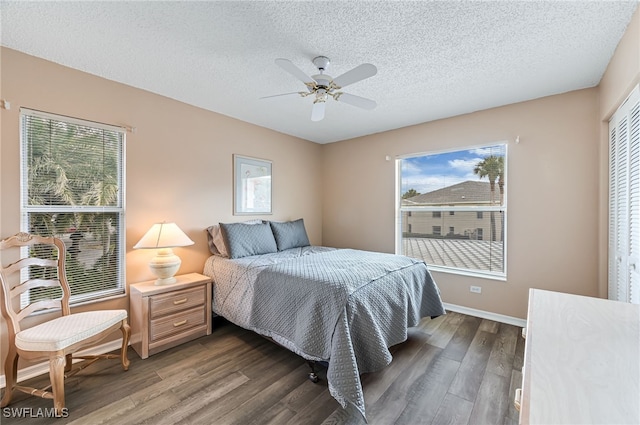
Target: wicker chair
(55,340)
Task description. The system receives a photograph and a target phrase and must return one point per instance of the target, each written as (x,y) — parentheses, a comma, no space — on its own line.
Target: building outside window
(72,187)
(464,191)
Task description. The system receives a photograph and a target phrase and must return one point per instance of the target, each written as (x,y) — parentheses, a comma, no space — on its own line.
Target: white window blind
(624,201)
(452,210)
(72,187)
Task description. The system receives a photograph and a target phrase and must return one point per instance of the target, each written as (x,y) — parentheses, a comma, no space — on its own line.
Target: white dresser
(581,362)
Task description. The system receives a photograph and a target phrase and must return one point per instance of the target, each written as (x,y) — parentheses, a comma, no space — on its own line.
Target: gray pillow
(243,239)
(290,234)
(216,241)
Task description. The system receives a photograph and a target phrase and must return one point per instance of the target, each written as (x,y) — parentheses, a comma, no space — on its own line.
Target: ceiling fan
(322,86)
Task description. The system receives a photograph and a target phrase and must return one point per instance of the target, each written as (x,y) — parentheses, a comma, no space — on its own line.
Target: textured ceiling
(434,59)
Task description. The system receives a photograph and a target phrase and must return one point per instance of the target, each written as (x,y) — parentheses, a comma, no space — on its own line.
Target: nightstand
(163,316)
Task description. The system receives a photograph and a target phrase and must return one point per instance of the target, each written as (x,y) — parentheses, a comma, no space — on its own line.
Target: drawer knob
(182,301)
(180,323)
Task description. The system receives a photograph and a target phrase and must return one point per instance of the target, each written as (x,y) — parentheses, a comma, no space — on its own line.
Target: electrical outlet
(475,289)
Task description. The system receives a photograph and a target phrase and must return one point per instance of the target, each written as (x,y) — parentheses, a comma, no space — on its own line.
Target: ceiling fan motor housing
(322,80)
(322,63)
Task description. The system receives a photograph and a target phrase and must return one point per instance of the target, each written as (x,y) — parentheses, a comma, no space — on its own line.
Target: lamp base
(164,266)
(166,281)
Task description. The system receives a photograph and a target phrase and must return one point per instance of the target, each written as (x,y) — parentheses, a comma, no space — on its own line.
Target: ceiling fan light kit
(322,86)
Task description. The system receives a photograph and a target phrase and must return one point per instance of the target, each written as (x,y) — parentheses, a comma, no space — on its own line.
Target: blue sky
(435,171)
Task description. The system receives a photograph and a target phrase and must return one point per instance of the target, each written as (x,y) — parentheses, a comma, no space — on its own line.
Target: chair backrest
(40,272)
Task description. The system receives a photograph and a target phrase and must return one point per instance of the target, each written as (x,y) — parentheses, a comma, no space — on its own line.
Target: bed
(342,307)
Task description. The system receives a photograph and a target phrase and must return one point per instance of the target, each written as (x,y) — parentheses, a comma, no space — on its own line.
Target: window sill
(470,273)
(84,303)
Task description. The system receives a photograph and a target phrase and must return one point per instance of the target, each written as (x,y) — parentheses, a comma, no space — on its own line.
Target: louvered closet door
(624,201)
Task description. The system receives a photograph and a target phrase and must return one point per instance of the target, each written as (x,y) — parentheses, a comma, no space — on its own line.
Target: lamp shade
(163,235)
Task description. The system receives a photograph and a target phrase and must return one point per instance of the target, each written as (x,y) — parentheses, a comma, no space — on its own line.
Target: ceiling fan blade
(352,99)
(288,66)
(358,73)
(317,112)
(283,94)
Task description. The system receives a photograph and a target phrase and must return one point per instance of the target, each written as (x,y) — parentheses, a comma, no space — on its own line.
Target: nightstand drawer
(161,305)
(176,323)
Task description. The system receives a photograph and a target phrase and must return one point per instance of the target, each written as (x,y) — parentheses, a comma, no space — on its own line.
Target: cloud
(427,173)
(489,150)
(411,168)
(465,166)
(427,183)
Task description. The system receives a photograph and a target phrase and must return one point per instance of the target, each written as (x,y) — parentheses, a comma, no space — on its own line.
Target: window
(463,191)
(72,187)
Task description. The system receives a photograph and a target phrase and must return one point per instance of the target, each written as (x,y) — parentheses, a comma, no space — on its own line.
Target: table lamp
(164,236)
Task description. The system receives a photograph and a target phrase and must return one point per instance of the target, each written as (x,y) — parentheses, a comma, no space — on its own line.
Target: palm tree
(492,167)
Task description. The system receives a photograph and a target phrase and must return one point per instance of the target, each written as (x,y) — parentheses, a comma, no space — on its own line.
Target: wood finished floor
(455,369)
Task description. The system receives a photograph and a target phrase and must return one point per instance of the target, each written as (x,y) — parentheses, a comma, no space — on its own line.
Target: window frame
(119,209)
(501,276)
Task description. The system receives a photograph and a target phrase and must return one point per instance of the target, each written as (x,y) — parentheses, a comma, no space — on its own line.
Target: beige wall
(622,74)
(178,162)
(552,190)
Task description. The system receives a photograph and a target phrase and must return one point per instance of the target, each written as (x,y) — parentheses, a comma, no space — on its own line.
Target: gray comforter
(344,306)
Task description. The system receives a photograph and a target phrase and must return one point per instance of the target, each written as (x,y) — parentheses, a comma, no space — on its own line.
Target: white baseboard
(42,368)
(515,321)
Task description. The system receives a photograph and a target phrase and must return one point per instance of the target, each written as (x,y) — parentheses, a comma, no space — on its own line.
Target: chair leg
(68,363)
(126,333)
(57,364)
(10,375)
